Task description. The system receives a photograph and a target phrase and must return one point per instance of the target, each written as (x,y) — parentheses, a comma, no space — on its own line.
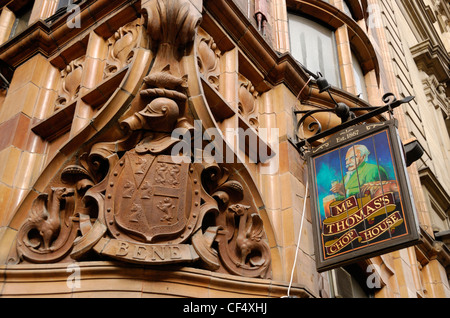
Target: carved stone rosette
(129,198)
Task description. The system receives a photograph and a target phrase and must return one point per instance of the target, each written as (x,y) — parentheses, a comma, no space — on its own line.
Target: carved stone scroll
(155,254)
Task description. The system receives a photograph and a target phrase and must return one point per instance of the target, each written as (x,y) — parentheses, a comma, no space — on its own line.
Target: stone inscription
(147,253)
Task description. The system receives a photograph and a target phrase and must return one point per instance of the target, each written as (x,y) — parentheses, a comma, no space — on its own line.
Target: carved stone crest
(152,199)
(125,195)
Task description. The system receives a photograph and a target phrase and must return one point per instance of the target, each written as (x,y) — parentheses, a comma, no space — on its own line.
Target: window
(350,282)
(360,82)
(314,46)
(63,4)
(438,216)
(22,18)
(437,201)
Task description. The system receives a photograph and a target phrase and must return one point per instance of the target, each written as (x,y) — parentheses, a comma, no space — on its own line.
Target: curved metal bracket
(347,116)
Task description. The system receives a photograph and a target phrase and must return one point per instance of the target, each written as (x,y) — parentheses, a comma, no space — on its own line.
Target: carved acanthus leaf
(247,101)
(70,83)
(208,58)
(121,47)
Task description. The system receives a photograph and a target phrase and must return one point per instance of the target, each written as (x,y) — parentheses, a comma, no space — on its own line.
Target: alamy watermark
(74,279)
(373,280)
(74,18)
(208,146)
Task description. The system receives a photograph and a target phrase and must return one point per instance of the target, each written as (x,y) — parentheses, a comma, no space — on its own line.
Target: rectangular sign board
(361,200)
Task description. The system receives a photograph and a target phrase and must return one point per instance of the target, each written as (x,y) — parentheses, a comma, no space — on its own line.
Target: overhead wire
(298,242)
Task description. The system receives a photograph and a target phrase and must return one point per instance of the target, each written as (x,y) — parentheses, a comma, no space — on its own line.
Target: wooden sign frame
(361,199)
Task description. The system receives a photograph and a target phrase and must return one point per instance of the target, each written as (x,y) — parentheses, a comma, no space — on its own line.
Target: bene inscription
(146,253)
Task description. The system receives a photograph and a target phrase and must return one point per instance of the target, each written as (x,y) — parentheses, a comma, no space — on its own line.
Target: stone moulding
(45,39)
(135,281)
(122,193)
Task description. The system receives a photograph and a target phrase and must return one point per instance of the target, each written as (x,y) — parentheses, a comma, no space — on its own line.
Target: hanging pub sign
(361,201)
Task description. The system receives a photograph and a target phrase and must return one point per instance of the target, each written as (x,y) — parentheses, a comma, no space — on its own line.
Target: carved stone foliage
(134,199)
(208,58)
(247,101)
(121,47)
(171,25)
(70,83)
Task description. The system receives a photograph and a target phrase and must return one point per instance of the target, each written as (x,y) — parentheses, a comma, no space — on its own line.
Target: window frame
(333,40)
(24,10)
(66,4)
(359,80)
(358,40)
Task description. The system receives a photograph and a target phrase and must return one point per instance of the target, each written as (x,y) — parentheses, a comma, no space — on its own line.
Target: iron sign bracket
(347,116)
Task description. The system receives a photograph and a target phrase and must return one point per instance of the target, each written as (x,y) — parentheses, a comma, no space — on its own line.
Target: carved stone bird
(249,235)
(45,216)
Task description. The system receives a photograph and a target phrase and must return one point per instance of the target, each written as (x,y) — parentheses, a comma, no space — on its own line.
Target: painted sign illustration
(361,201)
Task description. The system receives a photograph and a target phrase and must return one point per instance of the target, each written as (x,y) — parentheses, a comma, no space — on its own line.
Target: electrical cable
(298,242)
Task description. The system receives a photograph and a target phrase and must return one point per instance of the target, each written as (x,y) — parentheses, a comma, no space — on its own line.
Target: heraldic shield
(151,199)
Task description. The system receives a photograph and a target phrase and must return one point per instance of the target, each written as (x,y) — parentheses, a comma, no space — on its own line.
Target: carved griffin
(44,217)
(249,235)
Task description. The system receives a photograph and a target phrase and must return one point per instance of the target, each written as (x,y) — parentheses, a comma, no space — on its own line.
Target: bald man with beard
(359,172)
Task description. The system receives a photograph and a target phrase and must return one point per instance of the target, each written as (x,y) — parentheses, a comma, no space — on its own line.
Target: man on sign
(359,172)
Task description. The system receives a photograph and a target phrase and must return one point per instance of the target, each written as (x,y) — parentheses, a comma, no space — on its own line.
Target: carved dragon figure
(45,218)
(249,236)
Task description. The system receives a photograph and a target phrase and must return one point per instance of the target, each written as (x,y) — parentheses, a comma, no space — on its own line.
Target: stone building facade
(147,145)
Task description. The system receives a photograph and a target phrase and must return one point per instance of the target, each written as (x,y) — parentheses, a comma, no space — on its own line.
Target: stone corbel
(432,59)
(431,249)
(168,40)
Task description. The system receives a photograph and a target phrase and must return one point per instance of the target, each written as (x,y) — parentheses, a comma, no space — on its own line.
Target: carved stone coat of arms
(151,198)
(123,195)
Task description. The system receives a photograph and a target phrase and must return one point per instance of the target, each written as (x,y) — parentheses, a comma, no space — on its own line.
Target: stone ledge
(112,279)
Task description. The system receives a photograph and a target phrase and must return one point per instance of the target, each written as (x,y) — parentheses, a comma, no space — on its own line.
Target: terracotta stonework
(106,131)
